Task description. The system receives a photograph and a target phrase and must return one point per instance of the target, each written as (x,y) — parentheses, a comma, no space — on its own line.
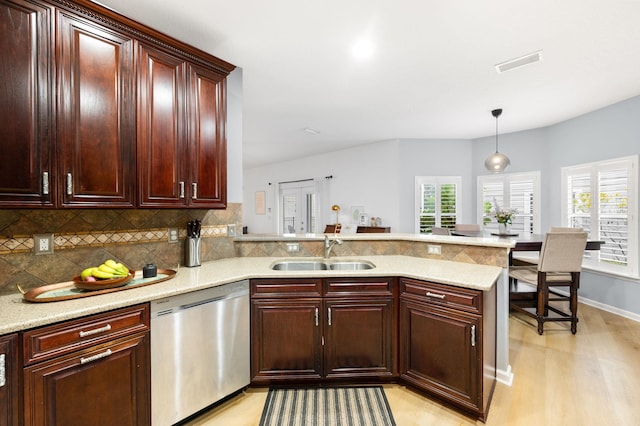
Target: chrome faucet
(328,245)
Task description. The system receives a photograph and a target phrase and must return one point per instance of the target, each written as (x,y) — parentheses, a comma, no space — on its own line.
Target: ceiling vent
(519,62)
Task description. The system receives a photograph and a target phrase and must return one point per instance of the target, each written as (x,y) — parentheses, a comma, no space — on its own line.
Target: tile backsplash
(88,237)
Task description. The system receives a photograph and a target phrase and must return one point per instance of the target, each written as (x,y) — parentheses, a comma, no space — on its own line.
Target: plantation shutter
(438,201)
(522,198)
(520,191)
(601,198)
(613,215)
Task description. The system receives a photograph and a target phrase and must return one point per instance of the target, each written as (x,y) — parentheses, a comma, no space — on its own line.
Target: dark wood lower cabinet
(285,340)
(359,338)
(447,347)
(438,339)
(9,381)
(438,353)
(348,334)
(90,371)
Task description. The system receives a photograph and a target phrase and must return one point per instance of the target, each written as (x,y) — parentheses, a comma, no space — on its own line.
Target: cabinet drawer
(59,339)
(286,287)
(340,287)
(444,295)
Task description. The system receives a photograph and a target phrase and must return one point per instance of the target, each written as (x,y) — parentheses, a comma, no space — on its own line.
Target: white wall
(378,176)
(234,137)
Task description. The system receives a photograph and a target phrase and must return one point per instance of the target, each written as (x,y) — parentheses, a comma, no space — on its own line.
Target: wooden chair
(524,260)
(436,230)
(467,227)
(333,229)
(533,288)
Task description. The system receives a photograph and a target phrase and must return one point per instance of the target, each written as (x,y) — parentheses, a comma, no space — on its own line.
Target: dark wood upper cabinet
(207,133)
(26,137)
(162,139)
(181,132)
(96,115)
(78,132)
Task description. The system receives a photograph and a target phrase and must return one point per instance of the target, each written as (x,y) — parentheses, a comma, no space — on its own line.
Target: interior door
(298,210)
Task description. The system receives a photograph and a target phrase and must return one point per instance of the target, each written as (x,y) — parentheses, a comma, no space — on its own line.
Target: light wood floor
(592,378)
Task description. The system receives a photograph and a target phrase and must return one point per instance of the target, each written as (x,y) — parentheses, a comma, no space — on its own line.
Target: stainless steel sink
(322,265)
(351,265)
(300,265)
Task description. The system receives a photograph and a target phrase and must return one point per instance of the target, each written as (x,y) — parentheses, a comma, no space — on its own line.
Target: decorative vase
(504,228)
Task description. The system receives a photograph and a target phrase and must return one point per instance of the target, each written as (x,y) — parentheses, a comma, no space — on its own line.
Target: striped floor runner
(341,406)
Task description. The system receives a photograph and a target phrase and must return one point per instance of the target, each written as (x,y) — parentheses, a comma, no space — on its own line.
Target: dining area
(544,270)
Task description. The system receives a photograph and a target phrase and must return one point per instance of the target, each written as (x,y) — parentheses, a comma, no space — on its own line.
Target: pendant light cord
(497,133)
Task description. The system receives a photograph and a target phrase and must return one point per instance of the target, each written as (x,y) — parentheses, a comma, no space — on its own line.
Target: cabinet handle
(95,331)
(69,184)
(95,357)
(437,296)
(473,335)
(317,317)
(3,379)
(329,315)
(181,189)
(45,183)
(194,190)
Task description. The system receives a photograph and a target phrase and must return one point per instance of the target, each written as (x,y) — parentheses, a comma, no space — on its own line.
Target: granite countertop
(491,241)
(17,314)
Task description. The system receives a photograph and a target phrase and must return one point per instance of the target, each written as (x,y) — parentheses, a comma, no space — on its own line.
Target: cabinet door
(96,115)
(9,381)
(440,352)
(286,340)
(105,385)
(207,136)
(26,143)
(162,147)
(359,336)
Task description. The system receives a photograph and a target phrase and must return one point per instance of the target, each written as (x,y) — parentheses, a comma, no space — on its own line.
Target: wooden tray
(68,290)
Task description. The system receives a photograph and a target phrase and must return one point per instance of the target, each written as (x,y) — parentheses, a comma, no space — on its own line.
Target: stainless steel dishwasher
(199,350)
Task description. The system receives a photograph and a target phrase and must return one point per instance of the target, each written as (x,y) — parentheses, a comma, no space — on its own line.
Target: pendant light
(497,162)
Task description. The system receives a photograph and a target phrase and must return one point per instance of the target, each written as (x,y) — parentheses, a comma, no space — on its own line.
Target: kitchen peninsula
(404,264)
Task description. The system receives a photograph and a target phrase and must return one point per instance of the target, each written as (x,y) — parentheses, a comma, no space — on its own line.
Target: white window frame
(594,260)
(438,181)
(507,180)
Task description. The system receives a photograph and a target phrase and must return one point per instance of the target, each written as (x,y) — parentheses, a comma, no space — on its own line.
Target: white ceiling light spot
(362,49)
(310,131)
(519,62)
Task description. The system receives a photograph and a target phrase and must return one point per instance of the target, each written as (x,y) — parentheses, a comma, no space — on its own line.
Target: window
(520,191)
(601,198)
(437,202)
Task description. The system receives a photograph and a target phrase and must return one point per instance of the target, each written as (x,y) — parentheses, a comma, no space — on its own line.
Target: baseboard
(608,308)
(612,309)
(505,377)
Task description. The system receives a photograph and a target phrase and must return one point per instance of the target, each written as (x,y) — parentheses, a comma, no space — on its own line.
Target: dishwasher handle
(185,306)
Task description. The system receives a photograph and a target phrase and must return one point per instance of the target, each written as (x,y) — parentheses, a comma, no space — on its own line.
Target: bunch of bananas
(108,270)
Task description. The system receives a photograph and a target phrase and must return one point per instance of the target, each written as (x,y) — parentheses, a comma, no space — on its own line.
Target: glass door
(298,208)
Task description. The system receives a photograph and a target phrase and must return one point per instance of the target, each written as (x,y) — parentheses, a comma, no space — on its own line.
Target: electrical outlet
(293,247)
(43,243)
(431,249)
(231,230)
(173,235)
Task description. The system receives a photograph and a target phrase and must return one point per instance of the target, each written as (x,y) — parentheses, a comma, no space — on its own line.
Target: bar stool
(560,265)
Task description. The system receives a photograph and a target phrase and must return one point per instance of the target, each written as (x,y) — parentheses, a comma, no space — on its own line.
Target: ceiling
(431,75)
